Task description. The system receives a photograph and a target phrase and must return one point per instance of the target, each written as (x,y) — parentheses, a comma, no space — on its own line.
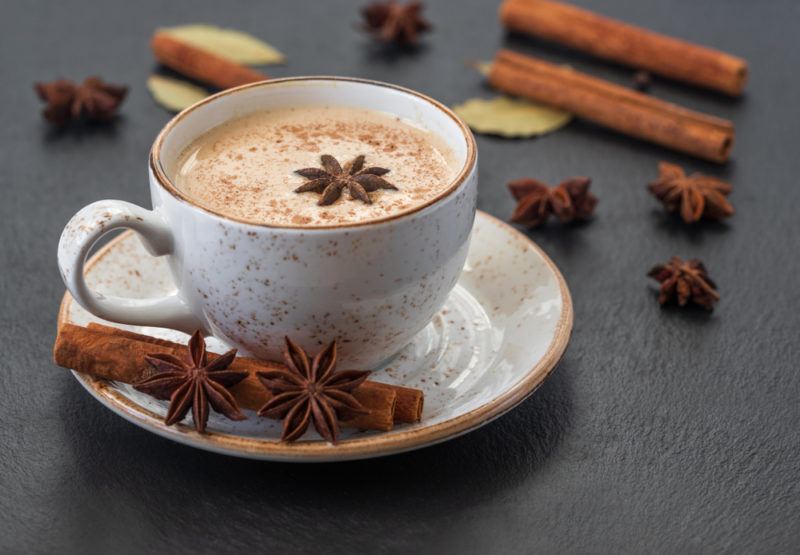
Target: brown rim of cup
(166,183)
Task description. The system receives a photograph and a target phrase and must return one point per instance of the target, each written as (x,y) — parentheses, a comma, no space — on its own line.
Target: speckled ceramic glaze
(373,286)
(501,331)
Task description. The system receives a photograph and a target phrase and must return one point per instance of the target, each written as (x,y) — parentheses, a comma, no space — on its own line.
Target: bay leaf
(174,94)
(510,117)
(235,45)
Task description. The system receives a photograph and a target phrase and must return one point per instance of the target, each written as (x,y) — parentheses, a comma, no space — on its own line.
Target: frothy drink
(245,168)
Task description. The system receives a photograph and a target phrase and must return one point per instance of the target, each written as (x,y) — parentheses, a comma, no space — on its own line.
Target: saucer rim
(369,446)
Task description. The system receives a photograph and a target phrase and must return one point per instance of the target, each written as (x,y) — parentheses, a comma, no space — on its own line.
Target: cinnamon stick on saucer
(115,354)
(626,44)
(612,106)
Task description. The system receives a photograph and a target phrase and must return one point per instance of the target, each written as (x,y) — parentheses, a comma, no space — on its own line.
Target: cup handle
(84,229)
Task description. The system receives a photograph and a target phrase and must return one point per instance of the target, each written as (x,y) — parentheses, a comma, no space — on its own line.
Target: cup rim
(165,182)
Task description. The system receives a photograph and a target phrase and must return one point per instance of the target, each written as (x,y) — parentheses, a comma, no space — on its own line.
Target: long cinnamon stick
(613,106)
(118,355)
(250,393)
(200,64)
(626,44)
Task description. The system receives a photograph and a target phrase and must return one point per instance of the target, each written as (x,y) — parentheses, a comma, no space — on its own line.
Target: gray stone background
(661,431)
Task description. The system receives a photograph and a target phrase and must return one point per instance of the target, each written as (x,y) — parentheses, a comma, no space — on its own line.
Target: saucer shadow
(381,494)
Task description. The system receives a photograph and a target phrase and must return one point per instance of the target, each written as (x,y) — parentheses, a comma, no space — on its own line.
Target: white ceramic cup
(372,286)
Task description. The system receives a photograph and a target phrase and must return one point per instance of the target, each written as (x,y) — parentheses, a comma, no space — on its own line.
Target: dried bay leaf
(174,94)
(228,43)
(511,118)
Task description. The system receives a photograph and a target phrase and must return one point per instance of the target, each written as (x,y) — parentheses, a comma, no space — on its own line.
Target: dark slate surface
(661,431)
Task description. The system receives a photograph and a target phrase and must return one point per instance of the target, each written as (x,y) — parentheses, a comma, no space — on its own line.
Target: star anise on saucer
(694,196)
(393,22)
(332,179)
(569,201)
(194,383)
(93,100)
(685,281)
(311,391)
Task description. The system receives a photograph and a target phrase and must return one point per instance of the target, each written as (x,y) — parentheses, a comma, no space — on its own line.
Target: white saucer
(503,329)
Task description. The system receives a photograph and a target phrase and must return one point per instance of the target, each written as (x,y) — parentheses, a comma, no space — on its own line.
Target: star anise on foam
(694,196)
(332,179)
(394,22)
(311,391)
(685,281)
(93,100)
(569,201)
(194,384)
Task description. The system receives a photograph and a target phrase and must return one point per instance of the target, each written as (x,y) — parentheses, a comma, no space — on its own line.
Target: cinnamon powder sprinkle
(245,168)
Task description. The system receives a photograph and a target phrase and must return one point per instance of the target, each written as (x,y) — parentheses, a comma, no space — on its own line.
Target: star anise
(694,196)
(684,281)
(311,391)
(569,201)
(194,383)
(93,100)
(394,22)
(331,179)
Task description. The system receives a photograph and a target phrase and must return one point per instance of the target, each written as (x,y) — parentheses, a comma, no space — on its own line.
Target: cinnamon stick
(115,354)
(381,402)
(408,408)
(200,64)
(409,405)
(626,44)
(612,106)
